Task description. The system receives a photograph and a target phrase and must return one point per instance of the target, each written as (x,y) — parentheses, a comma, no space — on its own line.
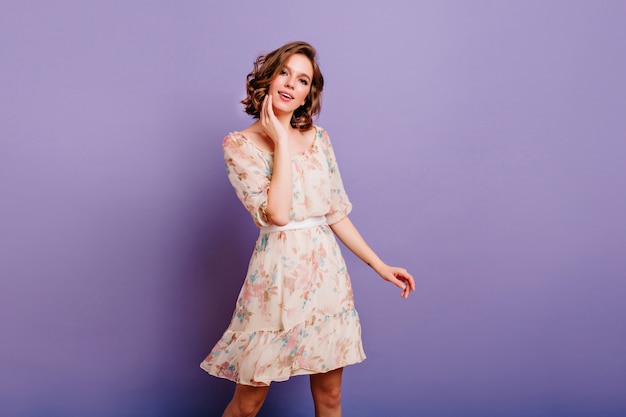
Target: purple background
(482,144)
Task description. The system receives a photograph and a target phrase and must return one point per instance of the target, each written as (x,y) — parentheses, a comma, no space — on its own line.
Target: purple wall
(483,146)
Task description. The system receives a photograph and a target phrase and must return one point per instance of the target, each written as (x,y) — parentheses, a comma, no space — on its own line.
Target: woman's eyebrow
(303,74)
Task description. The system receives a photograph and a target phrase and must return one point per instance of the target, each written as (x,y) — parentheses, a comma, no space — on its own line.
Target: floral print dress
(295,313)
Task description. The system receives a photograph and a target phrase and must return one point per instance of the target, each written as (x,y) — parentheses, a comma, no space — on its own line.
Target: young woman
(295,314)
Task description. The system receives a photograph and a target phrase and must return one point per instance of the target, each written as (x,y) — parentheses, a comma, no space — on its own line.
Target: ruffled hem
(257,358)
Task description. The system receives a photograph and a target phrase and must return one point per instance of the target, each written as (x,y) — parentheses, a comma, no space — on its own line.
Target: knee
(247,408)
(328,397)
(246,402)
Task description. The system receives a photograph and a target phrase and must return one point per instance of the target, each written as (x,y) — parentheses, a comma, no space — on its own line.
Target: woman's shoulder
(234,139)
(246,141)
(321,132)
(322,136)
(319,129)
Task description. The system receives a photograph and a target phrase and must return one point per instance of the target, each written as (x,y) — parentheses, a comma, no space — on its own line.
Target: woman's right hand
(271,125)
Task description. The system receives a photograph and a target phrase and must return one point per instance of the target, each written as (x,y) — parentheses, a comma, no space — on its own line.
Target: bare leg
(246,402)
(326,390)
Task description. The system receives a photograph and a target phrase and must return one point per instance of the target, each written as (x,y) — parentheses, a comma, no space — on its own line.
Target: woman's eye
(303,81)
(283,72)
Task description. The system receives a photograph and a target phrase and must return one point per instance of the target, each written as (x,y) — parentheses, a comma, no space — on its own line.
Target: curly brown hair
(267,66)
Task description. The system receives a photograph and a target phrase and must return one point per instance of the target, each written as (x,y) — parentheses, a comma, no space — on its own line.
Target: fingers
(268,108)
(268,118)
(265,109)
(403,280)
(398,283)
(408,278)
(268,105)
(406,291)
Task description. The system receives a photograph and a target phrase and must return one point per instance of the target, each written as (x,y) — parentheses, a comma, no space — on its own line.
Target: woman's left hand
(400,277)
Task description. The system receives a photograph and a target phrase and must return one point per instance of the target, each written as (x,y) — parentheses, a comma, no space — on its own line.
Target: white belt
(300,224)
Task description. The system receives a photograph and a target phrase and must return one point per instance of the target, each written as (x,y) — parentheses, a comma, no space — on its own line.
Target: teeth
(285,95)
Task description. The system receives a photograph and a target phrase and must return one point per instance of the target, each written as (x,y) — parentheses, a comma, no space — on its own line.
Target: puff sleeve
(340,205)
(249,172)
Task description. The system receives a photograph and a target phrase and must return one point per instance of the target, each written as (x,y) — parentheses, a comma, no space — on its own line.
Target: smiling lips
(285,96)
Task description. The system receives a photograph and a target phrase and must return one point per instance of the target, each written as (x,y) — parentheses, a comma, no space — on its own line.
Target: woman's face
(292,84)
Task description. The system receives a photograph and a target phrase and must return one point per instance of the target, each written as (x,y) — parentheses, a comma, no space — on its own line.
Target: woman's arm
(350,236)
(279,195)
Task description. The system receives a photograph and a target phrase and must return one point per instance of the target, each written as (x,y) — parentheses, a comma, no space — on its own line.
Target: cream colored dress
(295,313)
